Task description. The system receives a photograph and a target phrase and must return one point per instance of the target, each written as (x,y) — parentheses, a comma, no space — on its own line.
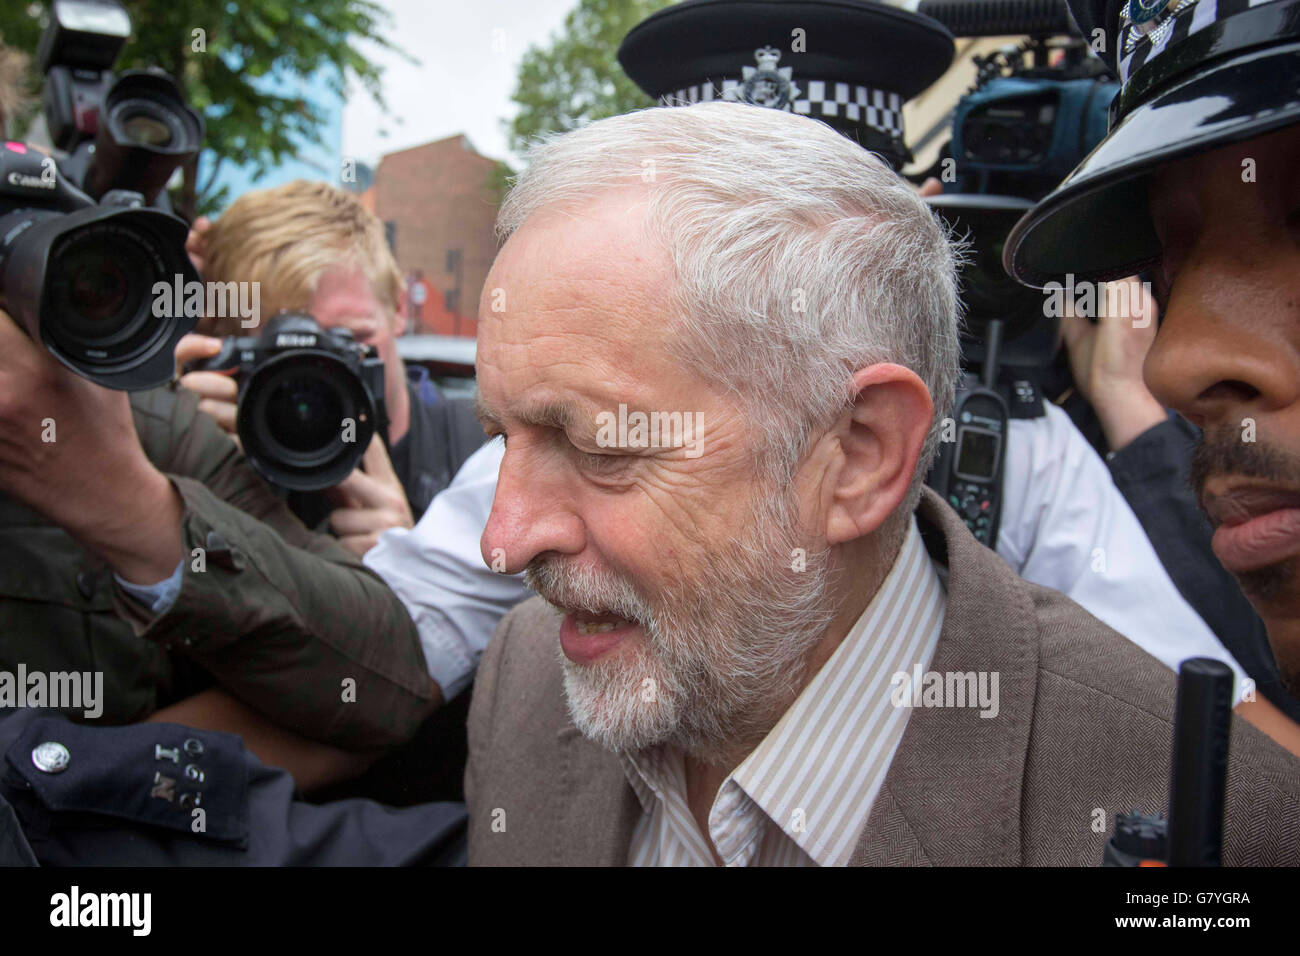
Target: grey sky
(469,52)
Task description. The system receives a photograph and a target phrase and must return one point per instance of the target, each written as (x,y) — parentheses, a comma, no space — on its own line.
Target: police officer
(852,65)
(1197,181)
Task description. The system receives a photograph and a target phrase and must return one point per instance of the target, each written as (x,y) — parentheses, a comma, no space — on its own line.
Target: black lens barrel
(306,412)
(83,284)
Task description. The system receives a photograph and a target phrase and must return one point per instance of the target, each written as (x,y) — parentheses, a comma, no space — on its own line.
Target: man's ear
(880,444)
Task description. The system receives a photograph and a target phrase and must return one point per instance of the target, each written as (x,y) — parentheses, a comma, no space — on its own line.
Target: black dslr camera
(80,252)
(310,400)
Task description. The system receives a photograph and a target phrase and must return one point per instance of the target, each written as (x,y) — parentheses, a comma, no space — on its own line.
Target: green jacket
(277,616)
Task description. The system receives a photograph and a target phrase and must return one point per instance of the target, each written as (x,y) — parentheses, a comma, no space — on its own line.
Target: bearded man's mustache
(1223,454)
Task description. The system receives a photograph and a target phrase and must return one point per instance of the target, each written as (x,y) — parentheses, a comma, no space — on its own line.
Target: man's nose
(1227,343)
(532,512)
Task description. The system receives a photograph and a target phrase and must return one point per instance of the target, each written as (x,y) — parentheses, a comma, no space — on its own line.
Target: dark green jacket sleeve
(286,620)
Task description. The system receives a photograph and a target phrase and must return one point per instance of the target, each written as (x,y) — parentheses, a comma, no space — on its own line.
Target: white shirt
(437,570)
(1064,525)
(802,797)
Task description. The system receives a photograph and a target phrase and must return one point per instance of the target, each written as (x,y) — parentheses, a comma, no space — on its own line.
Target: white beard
(716,660)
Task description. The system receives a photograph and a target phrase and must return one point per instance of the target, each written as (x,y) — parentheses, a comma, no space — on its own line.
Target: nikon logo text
(290,340)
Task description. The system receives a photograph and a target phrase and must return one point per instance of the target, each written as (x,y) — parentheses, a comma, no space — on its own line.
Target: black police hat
(850,63)
(1197,75)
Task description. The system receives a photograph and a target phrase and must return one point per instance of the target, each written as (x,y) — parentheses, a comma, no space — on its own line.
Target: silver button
(51,757)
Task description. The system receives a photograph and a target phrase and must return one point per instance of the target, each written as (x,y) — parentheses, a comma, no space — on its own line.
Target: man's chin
(618,707)
(1276,586)
(1274,592)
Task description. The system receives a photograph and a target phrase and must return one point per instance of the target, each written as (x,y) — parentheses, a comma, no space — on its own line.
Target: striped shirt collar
(802,797)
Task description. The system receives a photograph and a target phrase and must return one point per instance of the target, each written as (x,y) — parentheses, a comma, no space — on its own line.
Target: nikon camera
(310,400)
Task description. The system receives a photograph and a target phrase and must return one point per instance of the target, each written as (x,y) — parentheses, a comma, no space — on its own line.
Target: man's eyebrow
(550,415)
(547,414)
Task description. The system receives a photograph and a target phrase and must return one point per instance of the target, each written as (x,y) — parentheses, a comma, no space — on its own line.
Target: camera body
(85,238)
(1020,135)
(310,400)
(1032,115)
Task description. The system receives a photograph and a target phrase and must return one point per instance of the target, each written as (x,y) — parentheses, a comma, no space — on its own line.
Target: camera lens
(86,284)
(145,130)
(97,287)
(304,413)
(305,418)
(99,282)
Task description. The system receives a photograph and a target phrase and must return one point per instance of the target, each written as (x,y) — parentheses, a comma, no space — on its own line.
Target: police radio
(1192,832)
(968,470)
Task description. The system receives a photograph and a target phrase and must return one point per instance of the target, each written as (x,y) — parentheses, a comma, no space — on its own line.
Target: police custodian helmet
(1197,75)
(850,63)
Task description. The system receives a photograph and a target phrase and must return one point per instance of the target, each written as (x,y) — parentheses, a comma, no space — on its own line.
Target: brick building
(438,206)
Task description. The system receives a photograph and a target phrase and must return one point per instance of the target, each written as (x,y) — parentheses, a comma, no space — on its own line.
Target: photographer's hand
(69,450)
(217,391)
(372,501)
(1106,359)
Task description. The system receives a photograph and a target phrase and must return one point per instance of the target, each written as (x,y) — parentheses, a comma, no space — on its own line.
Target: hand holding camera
(69,450)
(371,500)
(218,391)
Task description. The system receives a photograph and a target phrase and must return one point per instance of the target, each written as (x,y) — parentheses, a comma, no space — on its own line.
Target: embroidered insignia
(766,84)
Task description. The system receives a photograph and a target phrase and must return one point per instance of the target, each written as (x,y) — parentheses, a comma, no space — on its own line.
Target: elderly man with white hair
(759,640)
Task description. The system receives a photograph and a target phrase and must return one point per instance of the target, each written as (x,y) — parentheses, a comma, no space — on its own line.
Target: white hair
(800,257)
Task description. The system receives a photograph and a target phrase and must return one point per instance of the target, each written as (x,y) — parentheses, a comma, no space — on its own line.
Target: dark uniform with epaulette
(158,794)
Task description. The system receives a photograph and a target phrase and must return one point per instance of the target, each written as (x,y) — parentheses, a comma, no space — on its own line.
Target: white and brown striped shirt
(803,796)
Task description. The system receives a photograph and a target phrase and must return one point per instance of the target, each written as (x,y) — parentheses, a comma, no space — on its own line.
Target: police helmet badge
(766,84)
(1153,19)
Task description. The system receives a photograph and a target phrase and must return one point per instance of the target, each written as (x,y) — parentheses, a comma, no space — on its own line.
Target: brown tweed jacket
(1085,724)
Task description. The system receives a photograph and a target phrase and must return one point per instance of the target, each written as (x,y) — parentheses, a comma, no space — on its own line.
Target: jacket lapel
(952,794)
(597,808)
